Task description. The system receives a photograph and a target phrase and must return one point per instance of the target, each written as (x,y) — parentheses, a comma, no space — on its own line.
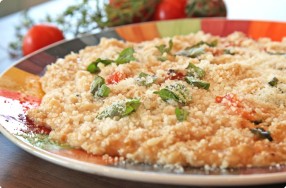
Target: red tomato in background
(40,36)
(170,9)
(115,77)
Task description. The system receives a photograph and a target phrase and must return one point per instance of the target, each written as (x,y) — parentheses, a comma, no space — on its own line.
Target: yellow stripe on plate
(178,27)
(18,80)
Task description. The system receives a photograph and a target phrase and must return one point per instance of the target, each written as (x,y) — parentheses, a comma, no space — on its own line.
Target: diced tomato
(236,105)
(230,99)
(115,77)
(175,75)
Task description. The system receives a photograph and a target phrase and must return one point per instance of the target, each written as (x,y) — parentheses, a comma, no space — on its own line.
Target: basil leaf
(131,106)
(211,44)
(228,51)
(260,132)
(120,108)
(176,92)
(192,52)
(181,114)
(104,61)
(99,88)
(196,50)
(96,84)
(103,91)
(162,59)
(166,95)
(93,68)
(277,53)
(125,56)
(163,48)
(195,71)
(145,79)
(197,83)
(273,82)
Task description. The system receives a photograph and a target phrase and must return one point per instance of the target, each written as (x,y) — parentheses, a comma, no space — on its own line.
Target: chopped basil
(260,132)
(196,50)
(181,114)
(162,59)
(120,109)
(192,52)
(195,71)
(211,44)
(96,84)
(99,88)
(175,92)
(163,48)
(273,82)
(93,68)
(131,106)
(228,51)
(198,83)
(125,56)
(103,91)
(257,122)
(194,75)
(277,53)
(167,95)
(145,79)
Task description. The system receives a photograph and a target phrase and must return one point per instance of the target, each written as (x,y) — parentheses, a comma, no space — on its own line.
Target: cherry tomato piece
(40,36)
(115,77)
(170,9)
(237,106)
(175,75)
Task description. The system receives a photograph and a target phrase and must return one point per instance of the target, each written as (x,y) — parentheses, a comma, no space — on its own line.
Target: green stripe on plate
(178,27)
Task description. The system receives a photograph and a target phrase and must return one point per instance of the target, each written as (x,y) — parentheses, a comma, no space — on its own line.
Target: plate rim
(146,176)
(134,175)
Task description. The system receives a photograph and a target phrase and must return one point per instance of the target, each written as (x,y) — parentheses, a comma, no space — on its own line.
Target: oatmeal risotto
(195,100)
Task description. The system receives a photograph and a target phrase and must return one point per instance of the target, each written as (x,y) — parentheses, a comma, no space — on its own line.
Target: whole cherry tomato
(40,36)
(120,12)
(115,77)
(170,9)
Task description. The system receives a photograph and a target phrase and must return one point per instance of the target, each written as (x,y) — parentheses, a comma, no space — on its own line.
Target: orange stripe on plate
(138,32)
(274,30)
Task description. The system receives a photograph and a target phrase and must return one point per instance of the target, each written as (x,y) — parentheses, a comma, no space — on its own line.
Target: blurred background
(10,6)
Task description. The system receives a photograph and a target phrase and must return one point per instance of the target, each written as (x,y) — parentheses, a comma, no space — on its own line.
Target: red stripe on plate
(223,27)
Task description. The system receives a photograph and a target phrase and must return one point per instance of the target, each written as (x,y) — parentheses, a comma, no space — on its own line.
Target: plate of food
(186,102)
